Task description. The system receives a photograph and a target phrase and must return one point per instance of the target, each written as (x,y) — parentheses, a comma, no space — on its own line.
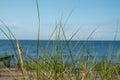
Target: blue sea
(99,49)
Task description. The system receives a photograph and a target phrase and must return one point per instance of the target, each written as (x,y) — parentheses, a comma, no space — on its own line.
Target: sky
(83,16)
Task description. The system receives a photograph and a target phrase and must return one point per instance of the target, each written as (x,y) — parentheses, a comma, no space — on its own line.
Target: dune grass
(53,66)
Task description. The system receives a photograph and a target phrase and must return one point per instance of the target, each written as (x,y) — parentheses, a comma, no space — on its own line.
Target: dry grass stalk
(20,59)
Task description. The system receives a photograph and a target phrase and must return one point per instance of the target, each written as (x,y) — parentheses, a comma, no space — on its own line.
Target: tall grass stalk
(38,41)
(21,64)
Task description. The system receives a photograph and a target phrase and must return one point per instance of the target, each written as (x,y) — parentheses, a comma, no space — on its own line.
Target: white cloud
(11,25)
(98,34)
(87,34)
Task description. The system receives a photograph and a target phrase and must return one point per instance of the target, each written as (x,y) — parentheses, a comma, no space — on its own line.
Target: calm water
(96,48)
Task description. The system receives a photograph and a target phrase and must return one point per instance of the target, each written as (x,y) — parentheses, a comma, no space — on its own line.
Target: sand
(10,74)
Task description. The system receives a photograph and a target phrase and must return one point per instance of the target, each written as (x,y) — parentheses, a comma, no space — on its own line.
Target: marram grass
(53,66)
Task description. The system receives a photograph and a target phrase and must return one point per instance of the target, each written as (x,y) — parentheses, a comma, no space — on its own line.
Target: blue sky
(21,17)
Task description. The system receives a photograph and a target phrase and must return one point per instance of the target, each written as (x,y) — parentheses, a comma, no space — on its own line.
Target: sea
(98,49)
